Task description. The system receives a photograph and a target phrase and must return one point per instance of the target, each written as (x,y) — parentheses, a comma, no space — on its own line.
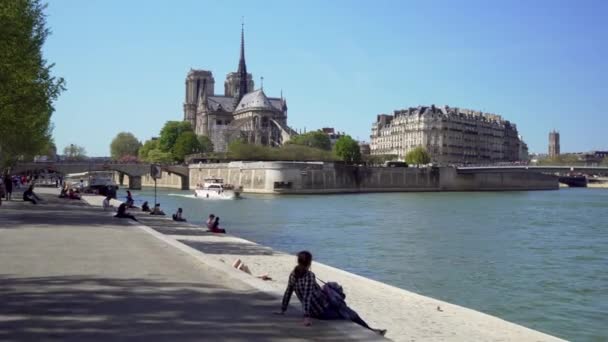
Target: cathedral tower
(194,86)
(239,83)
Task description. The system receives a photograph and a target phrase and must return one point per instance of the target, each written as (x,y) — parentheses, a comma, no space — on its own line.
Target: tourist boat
(214,188)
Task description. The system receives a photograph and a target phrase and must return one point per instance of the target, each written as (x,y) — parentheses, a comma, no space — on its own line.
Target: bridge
(134,171)
(590,170)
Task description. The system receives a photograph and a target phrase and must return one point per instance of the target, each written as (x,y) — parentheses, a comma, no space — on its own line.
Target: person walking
(8,186)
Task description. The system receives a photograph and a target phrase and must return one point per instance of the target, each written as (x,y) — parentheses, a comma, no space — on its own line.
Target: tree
(160,157)
(418,156)
(186,143)
(74,152)
(27,87)
(347,149)
(316,139)
(145,149)
(123,145)
(206,144)
(170,132)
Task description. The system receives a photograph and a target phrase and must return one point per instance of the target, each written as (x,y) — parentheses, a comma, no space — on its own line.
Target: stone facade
(450,135)
(241,112)
(554,148)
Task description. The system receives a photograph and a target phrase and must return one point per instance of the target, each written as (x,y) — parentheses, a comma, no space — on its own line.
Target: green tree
(160,157)
(186,143)
(123,145)
(316,139)
(347,149)
(74,152)
(170,132)
(206,144)
(145,149)
(418,156)
(27,87)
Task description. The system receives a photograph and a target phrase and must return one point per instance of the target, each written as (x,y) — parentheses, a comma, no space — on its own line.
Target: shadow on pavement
(215,247)
(83,308)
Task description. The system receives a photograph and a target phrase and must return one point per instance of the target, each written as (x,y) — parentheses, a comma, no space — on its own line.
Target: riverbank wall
(319,178)
(323,178)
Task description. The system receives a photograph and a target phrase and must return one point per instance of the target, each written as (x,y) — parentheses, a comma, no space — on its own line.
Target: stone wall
(166,181)
(294,178)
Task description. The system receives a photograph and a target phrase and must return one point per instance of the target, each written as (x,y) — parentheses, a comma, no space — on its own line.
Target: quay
(72,272)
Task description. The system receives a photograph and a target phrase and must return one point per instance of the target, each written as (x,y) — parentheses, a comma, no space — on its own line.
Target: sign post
(156,173)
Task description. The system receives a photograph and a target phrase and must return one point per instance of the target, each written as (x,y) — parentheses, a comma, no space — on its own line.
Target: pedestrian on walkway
(8,185)
(325,303)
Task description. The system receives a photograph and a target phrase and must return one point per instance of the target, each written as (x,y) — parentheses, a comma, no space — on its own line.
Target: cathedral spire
(242,71)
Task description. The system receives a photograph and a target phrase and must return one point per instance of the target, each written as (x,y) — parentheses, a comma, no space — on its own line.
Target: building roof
(256,99)
(226,103)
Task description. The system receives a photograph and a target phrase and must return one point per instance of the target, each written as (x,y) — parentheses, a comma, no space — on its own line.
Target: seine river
(539,259)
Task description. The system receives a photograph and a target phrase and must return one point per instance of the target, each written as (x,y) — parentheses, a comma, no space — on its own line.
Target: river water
(536,258)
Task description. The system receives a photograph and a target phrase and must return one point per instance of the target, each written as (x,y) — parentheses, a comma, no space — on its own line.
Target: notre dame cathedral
(242,112)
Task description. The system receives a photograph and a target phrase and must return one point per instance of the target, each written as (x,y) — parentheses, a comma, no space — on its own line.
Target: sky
(541,64)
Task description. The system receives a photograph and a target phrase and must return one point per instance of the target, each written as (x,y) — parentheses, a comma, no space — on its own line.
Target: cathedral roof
(226,103)
(256,99)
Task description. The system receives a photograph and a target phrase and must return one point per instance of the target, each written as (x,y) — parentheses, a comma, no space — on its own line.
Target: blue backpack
(334,292)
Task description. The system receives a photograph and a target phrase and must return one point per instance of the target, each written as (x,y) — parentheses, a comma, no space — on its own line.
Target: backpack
(335,293)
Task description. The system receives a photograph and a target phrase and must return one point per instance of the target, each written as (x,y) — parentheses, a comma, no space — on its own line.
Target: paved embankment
(69,271)
(406,315)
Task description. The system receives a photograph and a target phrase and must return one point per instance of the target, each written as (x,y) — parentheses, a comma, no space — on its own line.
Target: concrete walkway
(72,272)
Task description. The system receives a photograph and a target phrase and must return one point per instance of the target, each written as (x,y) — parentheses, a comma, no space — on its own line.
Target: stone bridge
(590,170)
(132,170)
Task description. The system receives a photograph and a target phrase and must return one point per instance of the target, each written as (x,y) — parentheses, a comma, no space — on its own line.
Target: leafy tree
(347,149)
(160,157)
(124,144)
(418,156)
(145,149)
(27,87)
(316,139)
(170,132)
(186,143)
(74,152)
(206,144)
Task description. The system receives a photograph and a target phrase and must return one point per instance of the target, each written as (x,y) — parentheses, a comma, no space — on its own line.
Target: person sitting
(106,203)
(121,212)
(325,303)
(129,200)
(157,210)
(210,221)
(64,191)
(178,216)
(30,196)
(215,227)
(73,194)
(145,207)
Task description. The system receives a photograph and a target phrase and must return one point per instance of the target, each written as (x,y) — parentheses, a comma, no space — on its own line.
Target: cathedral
(243,112)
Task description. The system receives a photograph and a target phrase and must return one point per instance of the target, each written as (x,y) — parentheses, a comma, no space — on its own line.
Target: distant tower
(554,149)
(194,85)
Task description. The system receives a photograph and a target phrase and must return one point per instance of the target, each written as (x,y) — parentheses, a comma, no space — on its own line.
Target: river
(539,259)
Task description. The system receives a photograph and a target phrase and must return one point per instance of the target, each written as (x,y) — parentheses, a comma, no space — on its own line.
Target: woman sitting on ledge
(145,207)
(214,224)
(157,210)
(322,303)
(178,216)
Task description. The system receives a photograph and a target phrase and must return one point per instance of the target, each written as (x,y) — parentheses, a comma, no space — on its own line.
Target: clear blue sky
(540,64)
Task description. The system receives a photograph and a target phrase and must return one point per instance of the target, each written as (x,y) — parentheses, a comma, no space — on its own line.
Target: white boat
(100,182)
(214,188)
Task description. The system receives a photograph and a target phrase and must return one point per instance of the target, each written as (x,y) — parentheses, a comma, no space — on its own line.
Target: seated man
(178,216)
(121,212)
(145,207)
(30,196)
(157,210)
